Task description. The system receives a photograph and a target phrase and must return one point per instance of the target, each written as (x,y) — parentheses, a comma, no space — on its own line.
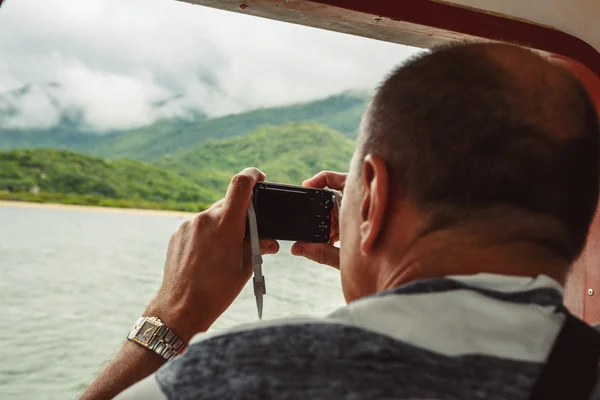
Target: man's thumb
(323,253)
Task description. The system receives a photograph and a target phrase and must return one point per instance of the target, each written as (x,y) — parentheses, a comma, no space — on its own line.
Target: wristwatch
(151,333)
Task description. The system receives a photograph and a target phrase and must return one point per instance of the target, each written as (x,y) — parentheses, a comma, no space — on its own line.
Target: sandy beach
(24,204)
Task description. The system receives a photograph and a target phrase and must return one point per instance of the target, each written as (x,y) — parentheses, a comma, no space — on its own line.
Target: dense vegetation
(83,179)
(188,180)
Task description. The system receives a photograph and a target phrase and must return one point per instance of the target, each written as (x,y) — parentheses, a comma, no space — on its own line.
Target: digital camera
(288,212)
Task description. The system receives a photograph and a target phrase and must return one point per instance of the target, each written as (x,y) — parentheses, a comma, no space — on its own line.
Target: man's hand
(323,253)
(208,262)
(207,266)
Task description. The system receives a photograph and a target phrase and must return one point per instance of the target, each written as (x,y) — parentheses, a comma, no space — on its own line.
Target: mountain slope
(58,137)
(42,116)
(288,154)
(341,112)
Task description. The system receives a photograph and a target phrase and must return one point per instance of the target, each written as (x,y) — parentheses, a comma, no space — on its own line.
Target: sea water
(73,281)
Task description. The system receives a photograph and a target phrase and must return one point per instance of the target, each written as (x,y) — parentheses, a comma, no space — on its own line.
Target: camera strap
(258,279)
(571,371)
(337,197)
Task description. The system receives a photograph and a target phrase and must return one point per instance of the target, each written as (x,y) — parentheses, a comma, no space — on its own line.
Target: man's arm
(132,364)
(208,264)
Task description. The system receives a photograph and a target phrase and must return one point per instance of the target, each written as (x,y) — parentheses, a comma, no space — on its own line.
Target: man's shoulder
(274,353)
(322,358)
(393,346)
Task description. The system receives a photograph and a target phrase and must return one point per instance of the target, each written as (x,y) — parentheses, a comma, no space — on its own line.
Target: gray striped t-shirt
(482,336)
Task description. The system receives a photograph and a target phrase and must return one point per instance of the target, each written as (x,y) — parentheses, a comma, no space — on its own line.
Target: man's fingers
(322,253)
(240,190)
(269,246)
(330,179)
(266,247)
(335,238)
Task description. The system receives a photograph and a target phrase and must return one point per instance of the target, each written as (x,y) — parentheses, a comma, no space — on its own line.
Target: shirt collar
(541,290)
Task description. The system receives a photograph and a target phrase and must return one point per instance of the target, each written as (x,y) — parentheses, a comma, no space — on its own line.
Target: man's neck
(463,252)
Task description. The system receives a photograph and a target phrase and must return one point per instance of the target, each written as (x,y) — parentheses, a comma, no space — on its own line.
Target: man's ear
(375,201)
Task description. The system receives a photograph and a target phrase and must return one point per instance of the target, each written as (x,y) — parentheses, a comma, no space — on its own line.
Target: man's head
(476,135)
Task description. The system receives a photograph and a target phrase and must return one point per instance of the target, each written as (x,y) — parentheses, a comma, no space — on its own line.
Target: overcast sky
(114,59)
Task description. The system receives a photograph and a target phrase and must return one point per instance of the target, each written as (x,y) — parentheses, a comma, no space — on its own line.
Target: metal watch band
(163,341)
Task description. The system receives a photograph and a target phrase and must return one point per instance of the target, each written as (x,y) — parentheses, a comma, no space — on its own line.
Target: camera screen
(289,214)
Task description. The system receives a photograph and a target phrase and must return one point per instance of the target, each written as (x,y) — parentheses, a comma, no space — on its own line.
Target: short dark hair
(460,130)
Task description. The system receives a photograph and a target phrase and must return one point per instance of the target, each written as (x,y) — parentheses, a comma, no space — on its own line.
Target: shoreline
(57,206)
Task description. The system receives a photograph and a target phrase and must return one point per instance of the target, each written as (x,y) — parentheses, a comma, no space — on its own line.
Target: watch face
(146,331)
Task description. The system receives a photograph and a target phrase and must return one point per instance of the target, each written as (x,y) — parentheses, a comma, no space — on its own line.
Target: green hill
(187,180)
(59,172)
(341,112)
(288,154)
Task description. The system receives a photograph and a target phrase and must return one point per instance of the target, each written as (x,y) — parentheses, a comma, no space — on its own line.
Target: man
(473,185)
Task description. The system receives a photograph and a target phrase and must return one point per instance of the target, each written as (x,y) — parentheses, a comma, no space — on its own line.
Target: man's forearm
(135,362)
(132,364)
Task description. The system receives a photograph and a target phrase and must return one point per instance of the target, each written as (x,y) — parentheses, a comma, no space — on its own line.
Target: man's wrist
(152,333)
(184,323)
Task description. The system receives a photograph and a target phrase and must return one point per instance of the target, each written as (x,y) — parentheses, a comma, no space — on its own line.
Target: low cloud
(122,64)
